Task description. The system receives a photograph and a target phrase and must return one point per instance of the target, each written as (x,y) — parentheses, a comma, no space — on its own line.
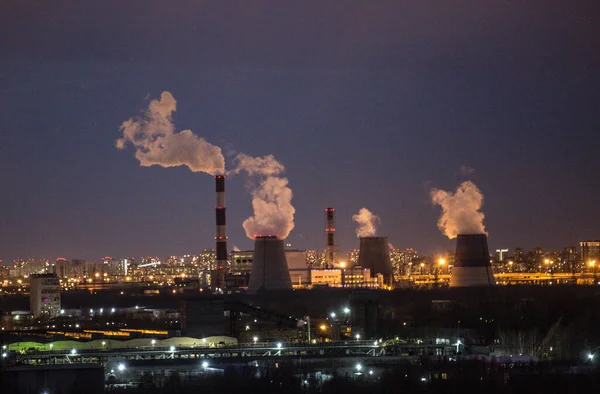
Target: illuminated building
(590,251)
(241,262)
(402,259)
(326,277)
(361,277)
(44,297)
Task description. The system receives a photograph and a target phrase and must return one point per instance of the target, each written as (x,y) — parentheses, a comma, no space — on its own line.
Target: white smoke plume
(157,143)
(235,249)
(367,223)
(263,166)
(460,210)
(271,197)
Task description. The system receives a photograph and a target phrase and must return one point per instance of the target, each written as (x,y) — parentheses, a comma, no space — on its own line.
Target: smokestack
(269,266)
(330,231)
(374,253)
(221,235)
(472,267)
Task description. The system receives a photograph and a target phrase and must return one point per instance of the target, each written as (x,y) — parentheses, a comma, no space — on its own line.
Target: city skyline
(368,107)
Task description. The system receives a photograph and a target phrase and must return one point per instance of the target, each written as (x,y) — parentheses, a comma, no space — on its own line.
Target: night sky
(366,103)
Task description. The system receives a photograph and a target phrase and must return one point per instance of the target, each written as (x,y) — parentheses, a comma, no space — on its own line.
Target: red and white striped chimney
(330,231)
(221,236)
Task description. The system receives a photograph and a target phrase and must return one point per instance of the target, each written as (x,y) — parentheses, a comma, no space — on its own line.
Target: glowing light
(121,367)
(323,327)
(358,367)
(73,352)
(255,339)
(279,345)
(346,310)
(172,349)
(357,337)
(205,364)
(442,261)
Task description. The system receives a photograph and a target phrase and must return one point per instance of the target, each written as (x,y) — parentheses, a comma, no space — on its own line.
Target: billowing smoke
(460,210)
(157,143)
(271,197)
(367,223)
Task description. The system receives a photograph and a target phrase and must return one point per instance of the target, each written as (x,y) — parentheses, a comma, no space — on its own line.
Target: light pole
(592,265)
(441,263)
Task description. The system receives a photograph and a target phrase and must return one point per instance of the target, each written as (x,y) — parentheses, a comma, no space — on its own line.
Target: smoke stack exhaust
(330,231)
(269,266)
(221,235)
(374,253)
(472,267)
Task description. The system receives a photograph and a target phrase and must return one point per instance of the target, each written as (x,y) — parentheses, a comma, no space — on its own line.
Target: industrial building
(590,251)
(44,298)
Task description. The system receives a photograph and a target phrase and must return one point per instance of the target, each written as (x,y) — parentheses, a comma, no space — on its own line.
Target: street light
(358,367)
(458,343)
(172,349)
(121,367)
(278,345)
(153,342)
(332,315)
(204,364)
(255,339)
(346,310)
(357,337)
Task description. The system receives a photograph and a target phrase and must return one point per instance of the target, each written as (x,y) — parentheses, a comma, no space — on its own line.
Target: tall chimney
(269,266)
(472,267)
(221,236)
(330,231)
(374,253)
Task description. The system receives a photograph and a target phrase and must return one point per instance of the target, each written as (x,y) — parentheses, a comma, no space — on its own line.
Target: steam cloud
(460,210)
(271,197)
(367,223)
(157,143)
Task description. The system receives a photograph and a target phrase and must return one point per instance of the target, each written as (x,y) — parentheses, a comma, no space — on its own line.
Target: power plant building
(44,296)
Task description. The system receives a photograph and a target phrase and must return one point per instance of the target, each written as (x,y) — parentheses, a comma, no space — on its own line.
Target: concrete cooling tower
(374,253)
(269,266)
(472,267)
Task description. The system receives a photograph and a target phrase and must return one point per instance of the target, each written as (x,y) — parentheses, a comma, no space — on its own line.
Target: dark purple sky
(367,103)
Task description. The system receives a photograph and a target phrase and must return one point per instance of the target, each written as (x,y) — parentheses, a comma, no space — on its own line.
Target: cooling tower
(269,266)
(374,253)
(472,267)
